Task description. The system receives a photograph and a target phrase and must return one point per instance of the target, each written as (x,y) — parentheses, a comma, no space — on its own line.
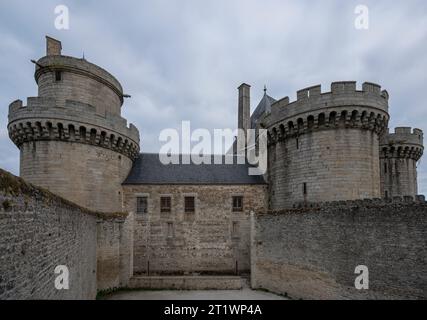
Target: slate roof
(148,169)
(264,105)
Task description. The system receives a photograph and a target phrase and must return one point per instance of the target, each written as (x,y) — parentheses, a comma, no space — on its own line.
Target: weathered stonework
(399,153)
(201,242)
(40,230)
(75,123)
(312,253)
(324,146)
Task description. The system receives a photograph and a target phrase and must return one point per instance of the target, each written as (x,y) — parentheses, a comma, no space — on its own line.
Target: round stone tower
(72,139)
(325,146)
(399,154)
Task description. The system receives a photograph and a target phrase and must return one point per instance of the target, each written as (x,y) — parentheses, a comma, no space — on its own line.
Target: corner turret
(399,153)
(72,138)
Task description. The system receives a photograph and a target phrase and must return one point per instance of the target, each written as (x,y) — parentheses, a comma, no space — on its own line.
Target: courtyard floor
(244,294)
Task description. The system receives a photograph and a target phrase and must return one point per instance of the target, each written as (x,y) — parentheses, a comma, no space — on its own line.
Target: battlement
(352,204)
(405,142)
(313,109)
(337,88)
(405,135)
(42,119)
(343,106)
(42,107)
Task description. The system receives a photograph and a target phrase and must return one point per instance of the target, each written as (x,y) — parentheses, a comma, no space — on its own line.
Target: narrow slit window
(304,189)
(58,75)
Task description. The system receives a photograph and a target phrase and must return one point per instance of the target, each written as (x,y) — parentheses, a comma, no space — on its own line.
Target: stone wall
(88,175)
(40,230)
(329,165)
(78,80)
(72,138)
(312,253)
(114,251)
(399,153)
(201,242)
(325,146)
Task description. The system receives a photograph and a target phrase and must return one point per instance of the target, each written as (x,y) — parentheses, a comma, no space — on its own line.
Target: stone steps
(189,282)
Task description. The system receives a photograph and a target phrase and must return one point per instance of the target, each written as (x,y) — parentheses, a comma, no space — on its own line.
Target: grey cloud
(183,60)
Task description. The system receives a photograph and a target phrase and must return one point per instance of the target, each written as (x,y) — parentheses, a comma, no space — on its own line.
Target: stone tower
(399,154)
(325,146)
(72,138)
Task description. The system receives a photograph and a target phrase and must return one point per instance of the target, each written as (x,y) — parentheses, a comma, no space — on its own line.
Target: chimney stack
(244,114)
(53,47)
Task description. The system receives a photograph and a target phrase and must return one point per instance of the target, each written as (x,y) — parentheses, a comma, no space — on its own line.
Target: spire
(265,89)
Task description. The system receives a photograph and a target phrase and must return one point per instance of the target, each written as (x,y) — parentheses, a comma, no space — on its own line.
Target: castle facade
(195,219)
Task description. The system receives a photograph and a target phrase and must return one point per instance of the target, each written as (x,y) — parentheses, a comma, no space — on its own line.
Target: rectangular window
(58,75)
(385,167)
(141,205)
(238,204)
(304,188)
(165,204)
(190,204)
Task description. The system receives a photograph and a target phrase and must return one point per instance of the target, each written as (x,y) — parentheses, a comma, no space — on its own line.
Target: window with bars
(238,204)
(141,205)
(165,204)
(190,204)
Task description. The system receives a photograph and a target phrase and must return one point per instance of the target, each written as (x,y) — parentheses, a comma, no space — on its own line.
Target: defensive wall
(312,252)
(40,231)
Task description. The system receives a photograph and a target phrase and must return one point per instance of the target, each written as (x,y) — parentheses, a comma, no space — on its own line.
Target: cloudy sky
(183,60)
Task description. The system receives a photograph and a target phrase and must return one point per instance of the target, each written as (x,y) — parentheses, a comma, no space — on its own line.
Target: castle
(195,220)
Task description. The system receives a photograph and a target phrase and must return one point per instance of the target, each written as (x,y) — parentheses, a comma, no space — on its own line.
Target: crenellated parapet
(343,107)
(42,119)
(352,204)
(403,143)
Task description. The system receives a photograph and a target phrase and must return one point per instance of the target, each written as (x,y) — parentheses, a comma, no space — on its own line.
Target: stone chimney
(244,114)
(53,47)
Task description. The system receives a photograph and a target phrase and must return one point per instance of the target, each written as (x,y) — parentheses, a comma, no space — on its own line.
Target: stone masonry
(325,146)
(399,153)
(40,231)
(312,253)
(90,200)
(71,137)
(212,240)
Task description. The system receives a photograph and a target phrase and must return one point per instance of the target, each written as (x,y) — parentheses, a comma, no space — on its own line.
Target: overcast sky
(183,60)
